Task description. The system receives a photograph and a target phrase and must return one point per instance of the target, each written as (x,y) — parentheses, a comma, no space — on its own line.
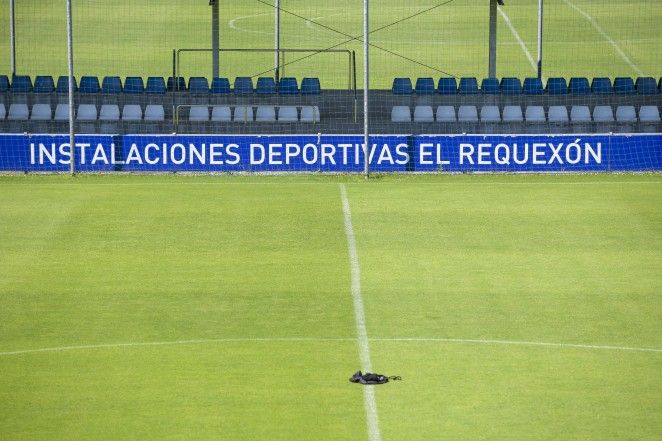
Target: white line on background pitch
(606,36)
(519,40)
(359,315)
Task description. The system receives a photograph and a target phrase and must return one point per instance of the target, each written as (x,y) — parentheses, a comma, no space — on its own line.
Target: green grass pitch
(220,307)
(137,37)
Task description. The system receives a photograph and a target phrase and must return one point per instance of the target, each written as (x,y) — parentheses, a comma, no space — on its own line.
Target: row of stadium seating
(113,85)
(554,114)
(531,86)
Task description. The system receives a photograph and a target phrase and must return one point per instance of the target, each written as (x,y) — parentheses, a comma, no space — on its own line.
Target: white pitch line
(534,65)
(606,36)
(369,401)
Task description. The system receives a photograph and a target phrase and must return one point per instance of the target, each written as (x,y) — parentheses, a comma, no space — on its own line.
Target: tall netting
(294,67)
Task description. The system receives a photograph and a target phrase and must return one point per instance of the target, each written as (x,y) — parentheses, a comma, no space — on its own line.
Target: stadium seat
(603,113)
(3,111)
(153,112)
(513,114)
(446,114)
(649,114)
(490,86)
(490,113)
(44,84)
(18,111)
(646,86)
(288,86)
(109,112)
(423,114)
(111,85)
(265,86)
(310,86)
(601,86)
(534,114)
(132,112)
(468,86)
(579,86)
(400,114)
(41,112)
(221,114)
(86,112)
(155,86)
(557,86)
(243,114)
(626,114)
(61,112)
(21,84)
(310,114)
(220,86)
(63,84)
(198,86)
(447,86)
(401,86)
(580,113)
(533,86)
(134,85)
(243,85)
(198,113)
(4,83)
(511,86)
(89,84)
(467,114)
(288,114)
(557,114)
(265,114)
(624,86)
(424,86)
(176,84)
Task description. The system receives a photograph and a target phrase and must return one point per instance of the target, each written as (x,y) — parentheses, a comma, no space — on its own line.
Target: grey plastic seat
(423,114)
(265,114)
(221,114)
(243,114)
(154,112)
(513,114)
(288,114)
(603,114)
(626,114)
(109,112)
(41,112)
(558,114)
(535,114)
(467,114)
(490,113)
(649,114)
(446,114)
(132,112)
(310,114)
(198,114)
(580,114)
(400,114)
(3,111)
(18,112)
(86,112)
(61,112)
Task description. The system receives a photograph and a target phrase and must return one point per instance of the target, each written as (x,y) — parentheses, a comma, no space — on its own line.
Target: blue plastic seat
(533,86)
(310,86)
(402,86)
(155,86)
(198,86)
(220,85)
(624,86)
(489,86)
(63,84)
(601,86)
(134,85)
(447,86)
(243,85)
(557,86)
(21,84)
(646,86)
(511,86)
(265,86)
(468,86)
(89,84)
(4,83)
(44,84)
(424,86)
(176,84)
(288,86)
(579,86)
(111,85)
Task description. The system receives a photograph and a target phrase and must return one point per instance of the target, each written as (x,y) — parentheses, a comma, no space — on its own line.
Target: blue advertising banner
(334,153)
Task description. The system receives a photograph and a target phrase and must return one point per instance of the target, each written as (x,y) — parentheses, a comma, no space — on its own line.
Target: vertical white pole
(539,38)
(12,32)
(366,88)
(215,39)
(277,42)
(70,53)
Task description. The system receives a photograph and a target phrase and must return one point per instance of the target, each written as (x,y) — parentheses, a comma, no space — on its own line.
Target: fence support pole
(277,42)
(366,88)
(540,39)
(215,18)
(493,39)
(70,55)
(12,32)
